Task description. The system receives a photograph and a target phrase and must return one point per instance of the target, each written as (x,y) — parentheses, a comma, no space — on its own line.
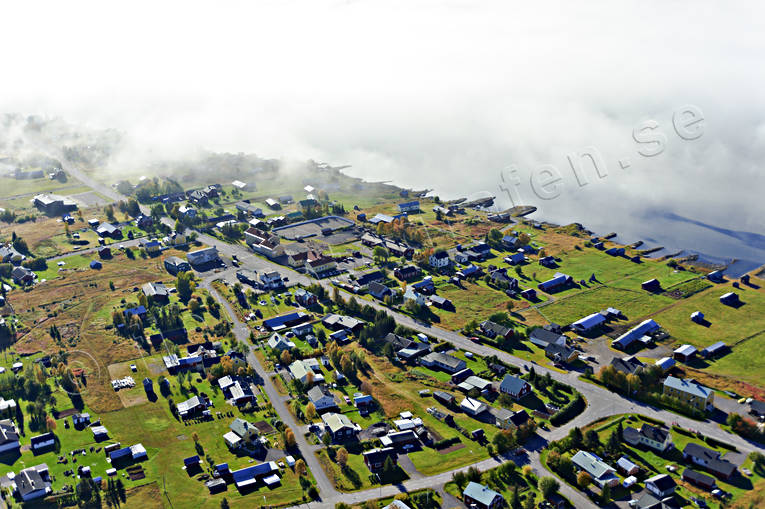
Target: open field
(728,324)
(633,304)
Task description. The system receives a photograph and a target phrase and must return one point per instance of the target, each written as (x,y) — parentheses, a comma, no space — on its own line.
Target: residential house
(151,246)
(23,276)
(53,204)
(560,353)
(280,343)
(341,322)
(543,336)
(285,321)
(321,398)
(375,459)
(263,243)
(627,365)
(32,483)
(601,473)
(271,280)
(379,291)
(248,477)
(507,419)
(442,303)
(409,207)
(626,466)
(653,437)
(472,406)
(510,242)
(156,292)
(242,435)
(192,407)
(697,478)
(42,442)
(709,459)
(304,370)
(401,440)
(426,286)
(661,485)
(340,427)
(9,436)
(500,278)
(515,259)
(407,273)
(8,254)
(493,330)
(203,256)
(515,387)
(689,392)
(442,361)
(439,260)
(481,497)
(175,265)
(369,277)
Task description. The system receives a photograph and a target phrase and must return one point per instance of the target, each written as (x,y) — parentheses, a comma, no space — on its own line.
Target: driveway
(406,464)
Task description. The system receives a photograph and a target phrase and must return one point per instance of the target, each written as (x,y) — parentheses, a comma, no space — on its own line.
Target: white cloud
(433,94)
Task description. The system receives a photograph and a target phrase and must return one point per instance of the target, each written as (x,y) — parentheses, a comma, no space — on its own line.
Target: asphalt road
(601,402)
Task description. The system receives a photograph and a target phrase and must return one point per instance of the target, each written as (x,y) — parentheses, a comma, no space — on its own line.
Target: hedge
(569,411)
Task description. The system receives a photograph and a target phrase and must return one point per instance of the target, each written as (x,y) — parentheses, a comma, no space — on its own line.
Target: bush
(569,411)
(447,442)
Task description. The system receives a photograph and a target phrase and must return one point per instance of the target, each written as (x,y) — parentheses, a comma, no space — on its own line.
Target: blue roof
(191,460)
(95,264)
(245,474)
(139,310)
(366,398)
(512,384)
(120,453)
(221,467)
(280,321)
(590,321)
(409,204)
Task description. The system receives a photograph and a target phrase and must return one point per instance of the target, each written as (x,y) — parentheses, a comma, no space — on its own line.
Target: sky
(449,95)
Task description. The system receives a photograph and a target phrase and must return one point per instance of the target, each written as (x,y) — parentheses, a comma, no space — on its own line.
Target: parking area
(328,226)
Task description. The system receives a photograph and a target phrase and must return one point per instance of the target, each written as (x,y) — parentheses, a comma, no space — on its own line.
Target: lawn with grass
(744,363)
(633,304)
(477,301)
(727,324)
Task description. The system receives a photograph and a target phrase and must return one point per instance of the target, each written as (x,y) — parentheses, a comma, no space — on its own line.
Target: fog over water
(443,95)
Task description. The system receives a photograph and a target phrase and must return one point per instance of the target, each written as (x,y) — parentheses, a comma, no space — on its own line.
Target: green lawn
(745,362)
(633,303)
(728,324)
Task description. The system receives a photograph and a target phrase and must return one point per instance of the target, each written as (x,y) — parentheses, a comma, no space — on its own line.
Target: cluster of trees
(402,229)
(35,264)
(645,385)
(560,462)
(508,440)
(323,208)
(746,427)
(153,187)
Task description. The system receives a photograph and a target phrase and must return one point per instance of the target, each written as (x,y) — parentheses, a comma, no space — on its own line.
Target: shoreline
(731,266)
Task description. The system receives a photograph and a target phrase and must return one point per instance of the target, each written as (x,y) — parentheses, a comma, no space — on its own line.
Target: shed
(95,264)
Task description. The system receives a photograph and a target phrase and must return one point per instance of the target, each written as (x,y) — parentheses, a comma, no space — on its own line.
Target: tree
(389,468)
(224,504)
(591,439)
(605,495)
(548,486)
(289,438)
(310,412)
(758,459)
(529,502)
(185,286)
(300,467)
(583,480)
(515,501)
(342,457)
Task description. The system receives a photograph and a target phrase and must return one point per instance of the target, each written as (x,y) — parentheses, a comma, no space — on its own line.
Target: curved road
(601,402)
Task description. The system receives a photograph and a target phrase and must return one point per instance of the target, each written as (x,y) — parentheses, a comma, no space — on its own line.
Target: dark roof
(662,481)
(698,477)
(758,406)
(520,418)
(654,433)
(563,351)
(626,365)
(512,384)
(544,335)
